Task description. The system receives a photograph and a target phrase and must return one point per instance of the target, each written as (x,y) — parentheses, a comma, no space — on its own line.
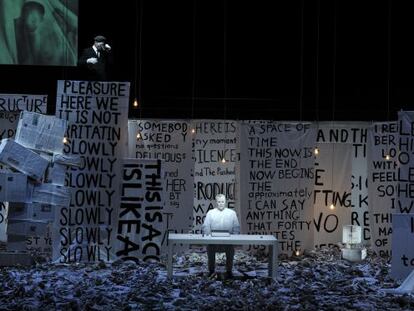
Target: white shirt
(96,50)
(221,220)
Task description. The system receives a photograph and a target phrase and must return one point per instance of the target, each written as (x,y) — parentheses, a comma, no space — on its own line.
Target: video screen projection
(39,32)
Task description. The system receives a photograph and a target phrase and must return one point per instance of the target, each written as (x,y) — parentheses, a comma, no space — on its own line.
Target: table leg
(169,260)
(270,261)
(275,252)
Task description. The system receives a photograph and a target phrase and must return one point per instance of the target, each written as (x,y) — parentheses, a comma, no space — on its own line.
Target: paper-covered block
(22,159)
(41,132)
(15,258)
(31,211)
(16,243)
(56,174)
(67,160)
(51,194)
(25,227)
(14,188)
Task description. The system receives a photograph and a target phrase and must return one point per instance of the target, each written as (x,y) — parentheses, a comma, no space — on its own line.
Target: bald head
(221,201)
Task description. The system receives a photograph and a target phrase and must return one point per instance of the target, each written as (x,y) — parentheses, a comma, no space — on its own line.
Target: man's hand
(92,60)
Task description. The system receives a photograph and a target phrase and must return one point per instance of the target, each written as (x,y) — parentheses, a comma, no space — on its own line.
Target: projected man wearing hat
(221,218)
(95,60)
(41,37)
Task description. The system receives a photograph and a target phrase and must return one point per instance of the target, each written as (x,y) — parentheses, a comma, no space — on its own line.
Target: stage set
(105,203)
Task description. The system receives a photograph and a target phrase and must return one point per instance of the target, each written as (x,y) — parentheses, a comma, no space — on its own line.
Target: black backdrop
(243,60)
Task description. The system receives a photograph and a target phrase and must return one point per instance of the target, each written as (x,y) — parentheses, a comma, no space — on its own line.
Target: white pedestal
(354,254)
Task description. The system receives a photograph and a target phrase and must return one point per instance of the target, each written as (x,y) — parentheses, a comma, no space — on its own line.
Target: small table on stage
(234,239)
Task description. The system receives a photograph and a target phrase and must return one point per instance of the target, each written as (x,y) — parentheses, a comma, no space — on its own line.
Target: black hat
(33,4)
(99,39)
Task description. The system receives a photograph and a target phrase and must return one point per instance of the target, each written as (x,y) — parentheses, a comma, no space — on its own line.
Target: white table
(234,239)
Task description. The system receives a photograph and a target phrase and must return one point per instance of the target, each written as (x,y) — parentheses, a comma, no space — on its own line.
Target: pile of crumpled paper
(315,280)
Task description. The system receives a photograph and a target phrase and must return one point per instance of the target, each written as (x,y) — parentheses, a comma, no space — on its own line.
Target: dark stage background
(248,59)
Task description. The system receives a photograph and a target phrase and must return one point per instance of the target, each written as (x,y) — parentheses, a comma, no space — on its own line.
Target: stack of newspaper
(33,177)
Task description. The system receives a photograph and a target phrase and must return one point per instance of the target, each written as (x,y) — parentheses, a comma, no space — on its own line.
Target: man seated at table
(219,219)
